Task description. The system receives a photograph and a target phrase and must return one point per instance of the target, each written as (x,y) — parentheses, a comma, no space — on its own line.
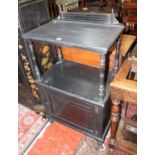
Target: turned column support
(115,114)
(34,61)
(102,75)
(116,66)
(59,54)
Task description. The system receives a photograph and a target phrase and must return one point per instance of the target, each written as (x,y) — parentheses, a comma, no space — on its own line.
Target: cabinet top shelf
(96,37)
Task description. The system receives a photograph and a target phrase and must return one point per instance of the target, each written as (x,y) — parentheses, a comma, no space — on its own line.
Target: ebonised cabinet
(76,94)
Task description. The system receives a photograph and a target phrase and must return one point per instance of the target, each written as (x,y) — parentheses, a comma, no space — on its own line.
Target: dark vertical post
(47,8)
(84,3)
(33,58)
(101,76)
(116,67)
(59,54)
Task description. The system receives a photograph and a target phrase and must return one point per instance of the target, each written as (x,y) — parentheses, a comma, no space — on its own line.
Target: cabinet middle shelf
(76,80)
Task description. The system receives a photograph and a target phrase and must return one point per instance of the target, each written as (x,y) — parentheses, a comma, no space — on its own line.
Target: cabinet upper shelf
(96,37)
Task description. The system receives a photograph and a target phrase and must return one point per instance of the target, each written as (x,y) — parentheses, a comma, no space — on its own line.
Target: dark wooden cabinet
(31,14)
(73,93)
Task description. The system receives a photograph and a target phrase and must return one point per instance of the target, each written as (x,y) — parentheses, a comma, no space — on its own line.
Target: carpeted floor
(29,126)
(57,139)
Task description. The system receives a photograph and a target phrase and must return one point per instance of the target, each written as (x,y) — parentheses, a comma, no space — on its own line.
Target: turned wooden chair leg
(115,113)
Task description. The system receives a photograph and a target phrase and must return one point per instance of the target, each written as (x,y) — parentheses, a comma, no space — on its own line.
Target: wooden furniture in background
(65,5)
(98,7)
(124,89)
(129,16)
(54,9)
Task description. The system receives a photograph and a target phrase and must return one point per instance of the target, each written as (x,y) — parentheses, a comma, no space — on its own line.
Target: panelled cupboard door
(73,110)
(78,113)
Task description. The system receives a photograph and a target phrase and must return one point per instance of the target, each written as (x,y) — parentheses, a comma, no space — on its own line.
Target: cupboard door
(73,110)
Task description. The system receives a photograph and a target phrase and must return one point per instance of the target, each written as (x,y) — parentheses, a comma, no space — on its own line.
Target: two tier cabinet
(76,94)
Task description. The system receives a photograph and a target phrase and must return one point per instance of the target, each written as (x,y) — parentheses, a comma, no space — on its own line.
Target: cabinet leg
(115,113)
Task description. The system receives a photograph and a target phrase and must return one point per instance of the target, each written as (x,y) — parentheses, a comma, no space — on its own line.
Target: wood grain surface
(92,59)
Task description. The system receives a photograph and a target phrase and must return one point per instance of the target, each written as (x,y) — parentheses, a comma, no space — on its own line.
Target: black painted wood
(102,18)
(31,14)
(24,95)
(72,94)
(76,80)
(95,37)
(71,90)
(116,67)
(102,75)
